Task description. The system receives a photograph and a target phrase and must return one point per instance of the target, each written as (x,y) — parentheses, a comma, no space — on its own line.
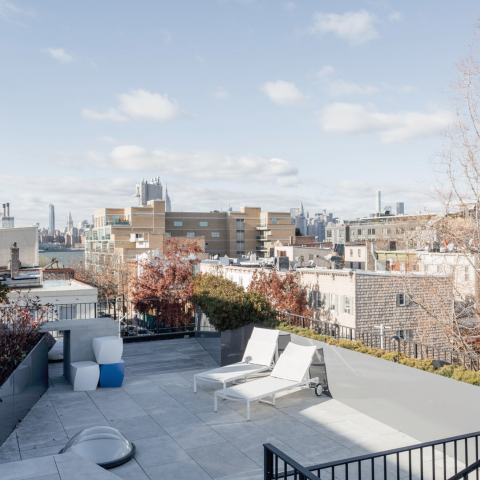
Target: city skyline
(232,102)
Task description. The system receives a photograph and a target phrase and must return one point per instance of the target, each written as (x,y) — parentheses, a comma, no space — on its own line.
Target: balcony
(117,222)
(261,249)
(177,434)
(261,237)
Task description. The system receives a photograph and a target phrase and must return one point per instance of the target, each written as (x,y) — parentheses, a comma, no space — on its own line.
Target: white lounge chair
(291,370)
(258,357)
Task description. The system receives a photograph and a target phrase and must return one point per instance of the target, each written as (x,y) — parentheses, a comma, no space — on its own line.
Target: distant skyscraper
(168,204)
(69,222)
(378,202)
(149,191)
(51,219)
(400,208)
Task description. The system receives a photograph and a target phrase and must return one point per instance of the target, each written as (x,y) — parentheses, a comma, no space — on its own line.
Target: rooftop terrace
(176,432)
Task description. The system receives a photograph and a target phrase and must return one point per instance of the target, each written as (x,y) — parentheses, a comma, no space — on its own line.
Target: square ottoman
(107,349)
(111,375)
(84,376)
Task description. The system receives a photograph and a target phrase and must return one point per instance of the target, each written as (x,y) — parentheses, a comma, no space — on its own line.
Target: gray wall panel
(421,404)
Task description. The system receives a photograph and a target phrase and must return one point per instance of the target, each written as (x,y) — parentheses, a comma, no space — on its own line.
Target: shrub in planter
(20,321)
(229,306)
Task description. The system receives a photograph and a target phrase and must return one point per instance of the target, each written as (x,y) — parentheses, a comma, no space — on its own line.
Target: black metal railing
(471,469)
(376,339)
(143,318)
(150,316)
(278,465)
(445,459)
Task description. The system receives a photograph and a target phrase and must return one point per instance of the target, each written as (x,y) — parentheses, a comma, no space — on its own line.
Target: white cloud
(153,106)
(325,72)
(221,94)
(59,54)
(395,17)
(166,36)
(348,118)
(138,104)
(196,166)
(8,10)
(340,88)
(111,114)
(354,27)
(109,140)
(284,93)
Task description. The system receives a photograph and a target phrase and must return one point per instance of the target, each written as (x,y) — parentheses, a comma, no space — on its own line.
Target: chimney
(3,208)
(8,209)
(14,261)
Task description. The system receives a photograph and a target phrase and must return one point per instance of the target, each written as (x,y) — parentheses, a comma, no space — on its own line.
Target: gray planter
(23,388)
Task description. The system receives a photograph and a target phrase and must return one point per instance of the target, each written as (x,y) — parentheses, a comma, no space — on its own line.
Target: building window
(359,252)
(351,252)
(178,224)
(333,301)
(404,334)
(273,221)
(204,224)
(310,257)
(402,300)
(282,253)
(240,234)
(347,305)
(386,231)
(240,223)
(240,252)
(215,234)
(467,273)
(329,234)
(190,234)
(168,234)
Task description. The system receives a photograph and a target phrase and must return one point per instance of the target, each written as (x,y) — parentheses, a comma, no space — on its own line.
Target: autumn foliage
(282,291)
(20,321)
(169,276)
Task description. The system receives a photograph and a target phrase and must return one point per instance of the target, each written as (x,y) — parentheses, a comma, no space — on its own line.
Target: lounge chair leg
(248,411)
(273,399)
(194,384)
(215,402)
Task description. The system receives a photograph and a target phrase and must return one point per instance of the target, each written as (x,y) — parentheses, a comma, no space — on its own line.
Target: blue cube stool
(111,375)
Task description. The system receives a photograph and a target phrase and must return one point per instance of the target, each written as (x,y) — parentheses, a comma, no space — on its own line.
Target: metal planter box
(23,388)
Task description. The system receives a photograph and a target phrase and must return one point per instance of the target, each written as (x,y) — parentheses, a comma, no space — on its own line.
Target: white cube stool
(108,350)
(84,375)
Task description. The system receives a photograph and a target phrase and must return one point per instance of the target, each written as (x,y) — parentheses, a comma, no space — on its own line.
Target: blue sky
(258,103)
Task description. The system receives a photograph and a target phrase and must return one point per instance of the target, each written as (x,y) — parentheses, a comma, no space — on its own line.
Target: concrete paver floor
(176,432)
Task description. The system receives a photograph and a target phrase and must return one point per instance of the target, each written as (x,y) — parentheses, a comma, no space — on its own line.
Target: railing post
(95,310)
(268,464)
(415,350)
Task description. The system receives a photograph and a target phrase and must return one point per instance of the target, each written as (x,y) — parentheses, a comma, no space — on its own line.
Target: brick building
(360,299)
(127,232)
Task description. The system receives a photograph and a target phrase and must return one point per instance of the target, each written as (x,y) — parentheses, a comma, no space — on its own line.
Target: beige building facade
(127,232)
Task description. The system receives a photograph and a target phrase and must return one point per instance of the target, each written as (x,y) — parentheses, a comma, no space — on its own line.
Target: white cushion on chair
(84,376)
(108,350)
(261,347)
(294,362)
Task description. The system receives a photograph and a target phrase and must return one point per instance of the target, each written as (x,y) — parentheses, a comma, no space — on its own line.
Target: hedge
(227,305)
(451,371)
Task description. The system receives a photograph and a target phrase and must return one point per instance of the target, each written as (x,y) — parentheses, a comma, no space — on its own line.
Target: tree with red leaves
(282,290)
(169,276)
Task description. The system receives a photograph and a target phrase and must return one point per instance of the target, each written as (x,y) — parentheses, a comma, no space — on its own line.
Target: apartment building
(365,300)
(384,227)
(127,232)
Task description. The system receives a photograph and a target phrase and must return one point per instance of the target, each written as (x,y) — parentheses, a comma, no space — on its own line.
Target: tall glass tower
(51,219)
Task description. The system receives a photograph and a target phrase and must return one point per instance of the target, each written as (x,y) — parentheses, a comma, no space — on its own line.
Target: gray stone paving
(176,432)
